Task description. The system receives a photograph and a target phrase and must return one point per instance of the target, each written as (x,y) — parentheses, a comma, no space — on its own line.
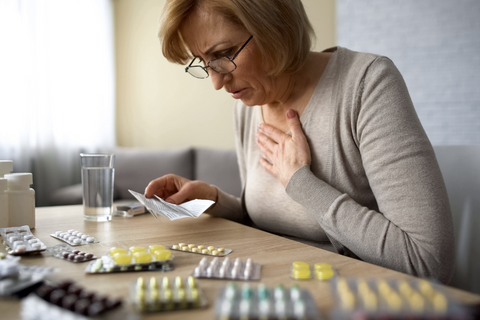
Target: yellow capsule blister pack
(393,298)
(201,249)
(166,294)
(303,271)
(155,258)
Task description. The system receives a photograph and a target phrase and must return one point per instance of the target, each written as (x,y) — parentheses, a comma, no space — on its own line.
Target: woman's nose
(219,80)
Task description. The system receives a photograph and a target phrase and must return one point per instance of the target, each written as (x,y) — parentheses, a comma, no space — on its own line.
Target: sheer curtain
(56,87)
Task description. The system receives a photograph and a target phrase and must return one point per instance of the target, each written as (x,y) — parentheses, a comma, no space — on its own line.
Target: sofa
(136,167)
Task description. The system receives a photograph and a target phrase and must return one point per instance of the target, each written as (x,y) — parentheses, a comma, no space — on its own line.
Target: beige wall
(158,105)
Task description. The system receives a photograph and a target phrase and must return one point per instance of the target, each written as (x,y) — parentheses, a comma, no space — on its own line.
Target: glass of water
(97,182)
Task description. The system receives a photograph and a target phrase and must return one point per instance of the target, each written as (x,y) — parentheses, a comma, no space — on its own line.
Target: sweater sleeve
(228,206)
(412,230)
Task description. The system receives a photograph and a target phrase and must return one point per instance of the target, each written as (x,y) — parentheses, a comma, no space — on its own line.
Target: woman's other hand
(284,154)
(175,189)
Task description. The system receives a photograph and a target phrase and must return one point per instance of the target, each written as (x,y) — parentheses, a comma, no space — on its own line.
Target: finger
(155,187)
(266,144)
(267,165)
(293,122)
(276,135)
(185,193)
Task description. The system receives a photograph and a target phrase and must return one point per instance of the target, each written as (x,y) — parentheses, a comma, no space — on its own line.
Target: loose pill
(156,247)
(301,273)
(115,250)
(121,258)
(142,257)
(162,255)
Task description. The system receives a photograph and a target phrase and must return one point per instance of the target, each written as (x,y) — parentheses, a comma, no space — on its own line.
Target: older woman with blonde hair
(330,148)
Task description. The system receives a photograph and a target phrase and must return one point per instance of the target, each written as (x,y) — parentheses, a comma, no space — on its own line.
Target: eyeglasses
(222,65)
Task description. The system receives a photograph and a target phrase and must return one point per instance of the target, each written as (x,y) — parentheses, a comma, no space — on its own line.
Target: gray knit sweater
(374,189)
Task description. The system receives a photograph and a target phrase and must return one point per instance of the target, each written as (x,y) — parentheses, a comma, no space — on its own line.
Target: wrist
(213,193)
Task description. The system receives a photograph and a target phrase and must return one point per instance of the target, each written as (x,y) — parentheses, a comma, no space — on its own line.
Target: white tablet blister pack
(20,241)
(74,237)
(228,269)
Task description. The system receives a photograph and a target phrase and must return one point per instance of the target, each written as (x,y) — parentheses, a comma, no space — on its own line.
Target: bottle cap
(3,184)
(6,166)
(19,181)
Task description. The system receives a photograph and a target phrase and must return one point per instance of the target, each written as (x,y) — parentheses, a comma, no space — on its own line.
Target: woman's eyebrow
(212,48)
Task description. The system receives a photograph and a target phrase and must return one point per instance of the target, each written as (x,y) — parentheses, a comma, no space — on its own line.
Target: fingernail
(170,200)
(291,113)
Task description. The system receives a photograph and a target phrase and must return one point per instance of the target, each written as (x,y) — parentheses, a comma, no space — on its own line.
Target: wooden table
(275,253)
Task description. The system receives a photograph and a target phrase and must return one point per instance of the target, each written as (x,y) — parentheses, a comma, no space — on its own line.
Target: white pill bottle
(21,200)
(3,203)
(6,166)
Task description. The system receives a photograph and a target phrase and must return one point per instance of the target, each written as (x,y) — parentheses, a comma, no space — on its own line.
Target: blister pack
(74,237)
(261,302)
(17,279)
(303,271)
(65,252)
(201,249)
(20,241)
(392,299)
(69,300)
(228,269)
(8,265)
(167,295)
(155,258)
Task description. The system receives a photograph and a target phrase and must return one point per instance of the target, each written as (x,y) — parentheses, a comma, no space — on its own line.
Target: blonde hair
(280,28)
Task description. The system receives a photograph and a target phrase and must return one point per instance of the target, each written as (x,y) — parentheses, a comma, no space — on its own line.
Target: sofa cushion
(135,168)
(218,167)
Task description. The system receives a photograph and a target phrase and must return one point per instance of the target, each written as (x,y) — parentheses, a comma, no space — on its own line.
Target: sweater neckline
(304,117)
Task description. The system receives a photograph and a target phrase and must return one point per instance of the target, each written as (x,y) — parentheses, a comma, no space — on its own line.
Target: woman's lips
(238,94)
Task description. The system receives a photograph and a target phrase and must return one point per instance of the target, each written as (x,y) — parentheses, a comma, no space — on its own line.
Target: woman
(330,149)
